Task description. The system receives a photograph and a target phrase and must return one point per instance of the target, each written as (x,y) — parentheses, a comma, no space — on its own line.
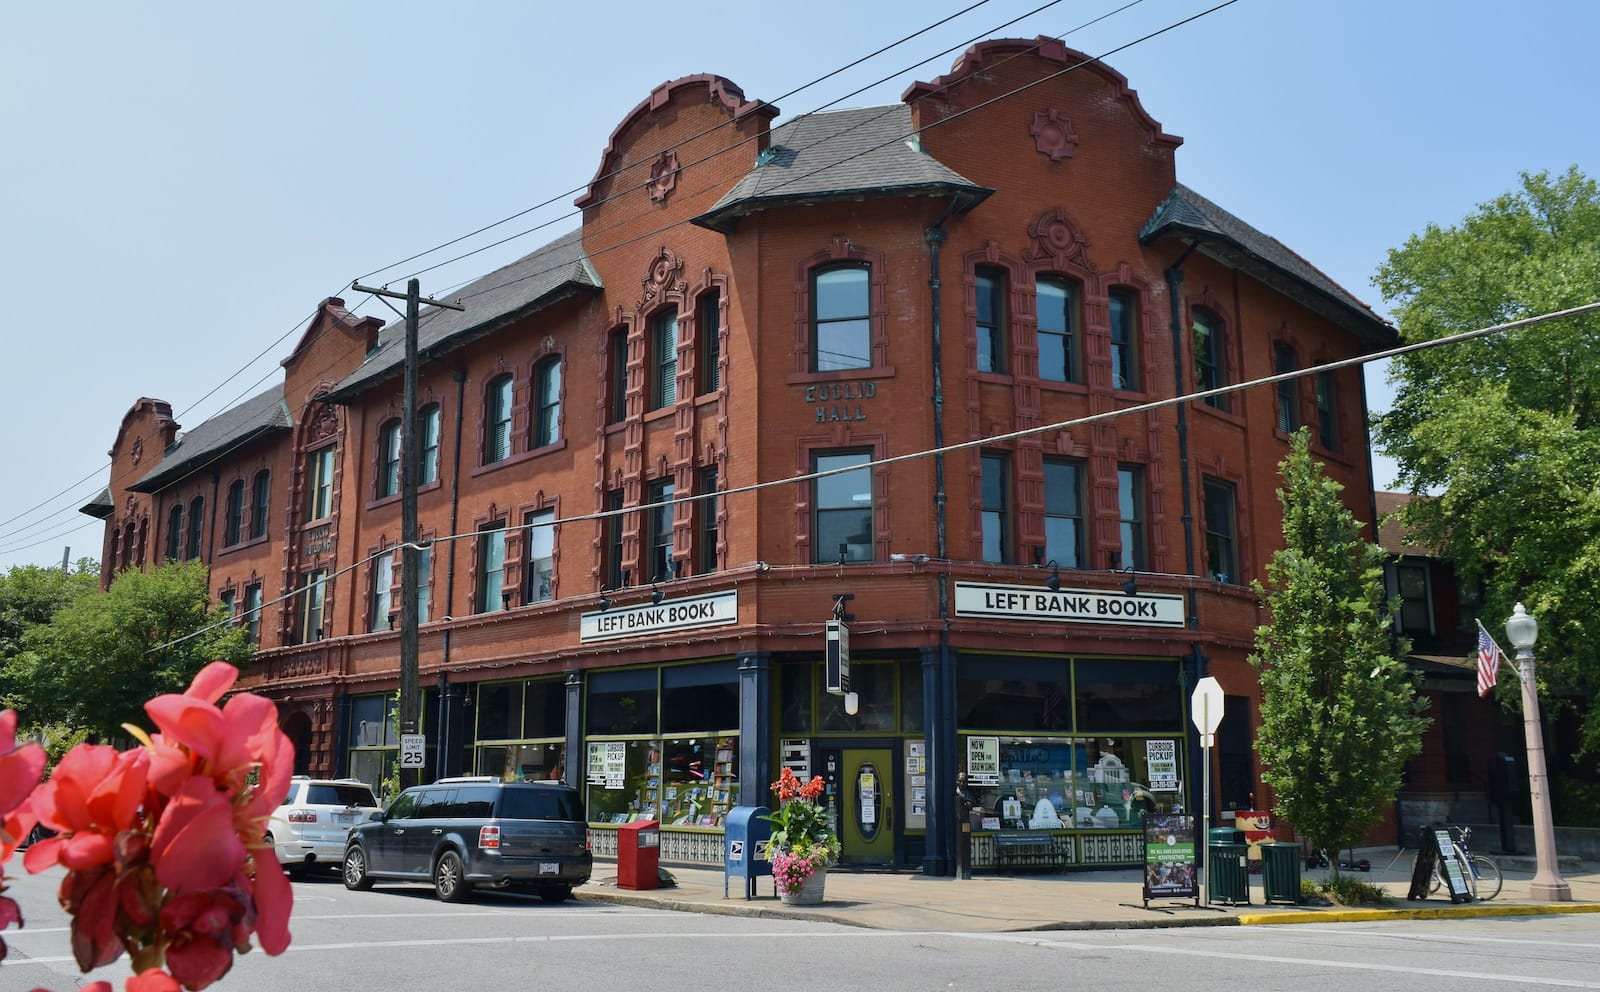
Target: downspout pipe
(447,762)
(939,694)
(1174,274)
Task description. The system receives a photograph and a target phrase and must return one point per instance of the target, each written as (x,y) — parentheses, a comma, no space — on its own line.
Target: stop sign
(1205,706)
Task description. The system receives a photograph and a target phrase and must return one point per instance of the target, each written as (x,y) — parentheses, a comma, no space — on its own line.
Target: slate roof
(1235,243)
(1392,536)
(531,283)
(840,154)
(260,414)
(101,506)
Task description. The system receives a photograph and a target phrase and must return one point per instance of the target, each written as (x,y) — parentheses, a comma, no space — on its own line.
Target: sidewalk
(1068,901)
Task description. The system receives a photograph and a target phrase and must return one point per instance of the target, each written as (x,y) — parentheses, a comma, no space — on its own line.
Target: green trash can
(1280,872)
(1226,878)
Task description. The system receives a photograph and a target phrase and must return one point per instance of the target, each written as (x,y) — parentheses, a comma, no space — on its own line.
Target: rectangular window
(1063,513)
(1124,340)
(547,398)
(252,613)
(497,421)
(658,519)
(843,508)
(618,378)
(1327,411)
(312,599)
(708,328)
(389,459)
(613,530)
(841,318)
(428,434)
(991,322)
(664,349)
(996,485)
(706,514)
(491,567)
(234,527)
(541,568)
(382,592)
(1416,606)
(1283,360)
(1130,511)
(424,560)
(1222,553)
(319,483)
(258,504)
(175,532)
(1057,311)
(225,600)
(1210,370)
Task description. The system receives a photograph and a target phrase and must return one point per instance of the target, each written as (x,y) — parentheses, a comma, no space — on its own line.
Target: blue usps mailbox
(744,847)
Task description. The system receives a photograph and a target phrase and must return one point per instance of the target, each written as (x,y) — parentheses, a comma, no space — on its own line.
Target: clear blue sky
(181,183)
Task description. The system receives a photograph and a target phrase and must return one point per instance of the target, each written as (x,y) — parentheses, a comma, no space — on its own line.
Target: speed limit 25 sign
(411,747)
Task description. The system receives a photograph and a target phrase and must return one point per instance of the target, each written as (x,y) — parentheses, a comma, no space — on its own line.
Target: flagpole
(1507,667)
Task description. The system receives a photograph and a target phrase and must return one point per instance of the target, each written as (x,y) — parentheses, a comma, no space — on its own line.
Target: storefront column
(755,728)
(572,767)
(938,717)
(452,726)
(341,736)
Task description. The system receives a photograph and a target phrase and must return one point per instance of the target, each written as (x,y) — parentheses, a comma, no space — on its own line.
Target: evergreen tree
(1340,714)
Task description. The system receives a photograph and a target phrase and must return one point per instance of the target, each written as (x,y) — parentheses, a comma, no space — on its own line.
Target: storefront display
(1089,783)
(683,782)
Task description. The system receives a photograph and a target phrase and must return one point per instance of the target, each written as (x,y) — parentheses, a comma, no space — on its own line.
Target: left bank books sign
(985,599)
(713,610)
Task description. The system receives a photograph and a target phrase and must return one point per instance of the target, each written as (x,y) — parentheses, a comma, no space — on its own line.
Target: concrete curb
(1478,910)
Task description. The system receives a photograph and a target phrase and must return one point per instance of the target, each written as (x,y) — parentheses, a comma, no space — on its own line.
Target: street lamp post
(1547,885)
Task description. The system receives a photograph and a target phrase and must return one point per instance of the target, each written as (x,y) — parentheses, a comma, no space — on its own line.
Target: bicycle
(1483,872)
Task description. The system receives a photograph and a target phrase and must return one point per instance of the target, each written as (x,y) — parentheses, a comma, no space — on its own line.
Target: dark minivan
(460,833)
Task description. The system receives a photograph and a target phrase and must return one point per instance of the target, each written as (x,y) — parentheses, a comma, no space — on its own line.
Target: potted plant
(803,844)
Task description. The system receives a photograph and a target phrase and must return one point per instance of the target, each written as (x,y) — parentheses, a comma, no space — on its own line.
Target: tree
(1503,433)
(1340,714)
(101,657)
(29,596)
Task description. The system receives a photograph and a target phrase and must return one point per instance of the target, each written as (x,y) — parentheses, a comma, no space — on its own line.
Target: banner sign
(713,610)
(1170,866)
(985,599)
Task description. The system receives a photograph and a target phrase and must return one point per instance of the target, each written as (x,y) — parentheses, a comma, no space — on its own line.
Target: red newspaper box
(639,855)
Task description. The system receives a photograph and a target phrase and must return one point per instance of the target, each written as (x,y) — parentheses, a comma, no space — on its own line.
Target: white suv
(311,824)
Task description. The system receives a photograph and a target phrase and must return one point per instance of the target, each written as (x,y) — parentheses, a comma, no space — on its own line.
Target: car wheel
(556,893)
(356,878)
(449,878)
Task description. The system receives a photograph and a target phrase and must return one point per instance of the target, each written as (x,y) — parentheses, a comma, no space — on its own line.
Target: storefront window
(794,689)
(702,698)
(1017,694)
(523,762)
(873,685)
(911,717)
(622,703)
(1117,695)
(374,746)
(680,781)
(1091,783)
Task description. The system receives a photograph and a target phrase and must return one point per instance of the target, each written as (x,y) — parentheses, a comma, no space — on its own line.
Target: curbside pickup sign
(984,599)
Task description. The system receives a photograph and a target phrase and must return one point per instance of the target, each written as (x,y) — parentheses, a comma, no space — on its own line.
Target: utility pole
(410,691)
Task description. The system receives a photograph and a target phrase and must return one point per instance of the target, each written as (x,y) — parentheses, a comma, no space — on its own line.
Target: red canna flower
(150,980)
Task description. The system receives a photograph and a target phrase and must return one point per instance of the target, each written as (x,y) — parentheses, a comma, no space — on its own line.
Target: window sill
(518,459)
(1229,416)
(241,546)
(382,501)
(1066,388)
(876,372)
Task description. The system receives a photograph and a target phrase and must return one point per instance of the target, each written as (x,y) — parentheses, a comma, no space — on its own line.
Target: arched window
(497,420)
(235,525)
(841,318)
(547,402)
(197,513)
(174,532)
(1285,360)
(261,492)
(428,435)
(389,458)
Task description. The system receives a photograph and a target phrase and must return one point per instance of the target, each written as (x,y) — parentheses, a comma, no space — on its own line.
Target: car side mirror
(376,816)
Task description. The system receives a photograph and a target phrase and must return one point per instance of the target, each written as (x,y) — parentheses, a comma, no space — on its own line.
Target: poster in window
(616,764)
(1161,758)
(983,761)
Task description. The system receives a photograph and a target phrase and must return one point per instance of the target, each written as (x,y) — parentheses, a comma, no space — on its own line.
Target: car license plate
(549,868)
(346,819)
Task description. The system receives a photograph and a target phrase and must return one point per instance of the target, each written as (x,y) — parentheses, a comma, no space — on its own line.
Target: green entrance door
(866,806)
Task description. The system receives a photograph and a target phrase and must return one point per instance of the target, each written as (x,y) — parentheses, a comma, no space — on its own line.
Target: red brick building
(1007,250)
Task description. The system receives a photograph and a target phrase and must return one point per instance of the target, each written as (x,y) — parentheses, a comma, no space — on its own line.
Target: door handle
(398,832)
(437,831)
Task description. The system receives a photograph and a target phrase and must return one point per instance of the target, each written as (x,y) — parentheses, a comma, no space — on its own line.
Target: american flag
(1488,661)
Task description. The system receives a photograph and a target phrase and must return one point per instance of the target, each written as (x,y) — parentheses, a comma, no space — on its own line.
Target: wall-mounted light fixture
(762,566)
(505,601)
(844,549)
(605,602)
(656,595)
(1130,585)
(1053,581)
(852,703)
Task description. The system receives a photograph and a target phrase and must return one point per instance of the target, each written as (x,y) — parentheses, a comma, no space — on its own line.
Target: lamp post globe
(1547,884)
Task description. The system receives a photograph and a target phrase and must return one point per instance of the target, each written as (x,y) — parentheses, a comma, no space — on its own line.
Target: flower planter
(810,893)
